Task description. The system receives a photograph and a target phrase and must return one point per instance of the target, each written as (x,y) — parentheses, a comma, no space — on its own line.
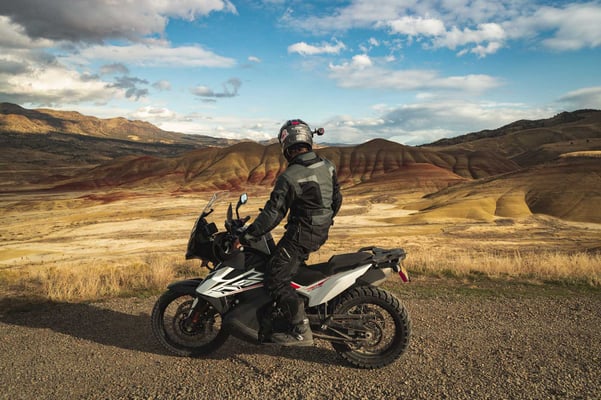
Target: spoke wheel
(378,323)
(184,333)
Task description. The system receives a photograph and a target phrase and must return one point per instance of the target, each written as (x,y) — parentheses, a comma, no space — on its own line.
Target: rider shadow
(132,332)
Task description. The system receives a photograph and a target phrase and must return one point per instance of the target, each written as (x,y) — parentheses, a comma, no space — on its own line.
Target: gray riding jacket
(309,190)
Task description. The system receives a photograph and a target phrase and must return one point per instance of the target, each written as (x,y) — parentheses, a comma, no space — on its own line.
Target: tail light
(403,274)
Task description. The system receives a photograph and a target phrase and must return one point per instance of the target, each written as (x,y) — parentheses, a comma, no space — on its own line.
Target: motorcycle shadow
(128,331)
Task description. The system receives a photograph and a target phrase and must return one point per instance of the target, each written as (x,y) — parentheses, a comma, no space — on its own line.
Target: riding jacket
(308,189)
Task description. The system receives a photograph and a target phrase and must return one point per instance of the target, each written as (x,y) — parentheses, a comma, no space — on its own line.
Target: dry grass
(88,250)
(96,281)
(73,283)
(544,266)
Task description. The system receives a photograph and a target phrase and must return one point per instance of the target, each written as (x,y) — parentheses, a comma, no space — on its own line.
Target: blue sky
(406,70)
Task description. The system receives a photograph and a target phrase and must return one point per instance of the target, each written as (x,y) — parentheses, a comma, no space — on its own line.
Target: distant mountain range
(512,165)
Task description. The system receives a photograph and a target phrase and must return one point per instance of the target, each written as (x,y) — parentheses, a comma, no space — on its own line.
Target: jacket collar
(305,158)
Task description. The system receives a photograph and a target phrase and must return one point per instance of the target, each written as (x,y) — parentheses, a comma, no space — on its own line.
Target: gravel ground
(465,345)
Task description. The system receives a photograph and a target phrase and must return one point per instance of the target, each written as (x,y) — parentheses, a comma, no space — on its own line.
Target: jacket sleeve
(336,195)
(275,209)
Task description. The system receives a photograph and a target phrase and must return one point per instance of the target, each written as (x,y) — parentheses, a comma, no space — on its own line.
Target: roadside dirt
(470,341)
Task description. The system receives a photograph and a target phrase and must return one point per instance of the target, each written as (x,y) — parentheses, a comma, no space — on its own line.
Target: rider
(308,189)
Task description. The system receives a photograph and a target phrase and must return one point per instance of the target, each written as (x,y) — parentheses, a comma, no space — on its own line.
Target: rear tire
(174,332)
(387,324)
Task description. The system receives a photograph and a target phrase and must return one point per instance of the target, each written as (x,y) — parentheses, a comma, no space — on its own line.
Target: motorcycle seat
(338,263)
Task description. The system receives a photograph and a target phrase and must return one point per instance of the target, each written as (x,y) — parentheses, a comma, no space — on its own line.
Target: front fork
(190,323)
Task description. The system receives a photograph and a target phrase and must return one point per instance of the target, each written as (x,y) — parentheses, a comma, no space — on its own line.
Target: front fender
(185,287)
(189,287)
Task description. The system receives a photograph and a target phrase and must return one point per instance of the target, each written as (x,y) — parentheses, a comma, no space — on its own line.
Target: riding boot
(300,334)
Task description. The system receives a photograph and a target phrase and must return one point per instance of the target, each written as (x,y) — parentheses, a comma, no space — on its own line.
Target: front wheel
(184,331)
(378,324)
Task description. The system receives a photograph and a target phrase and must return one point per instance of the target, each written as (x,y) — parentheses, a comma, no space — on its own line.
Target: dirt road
(467,343)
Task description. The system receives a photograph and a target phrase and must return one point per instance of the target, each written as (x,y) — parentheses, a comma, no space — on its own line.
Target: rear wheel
(378,324)
(185,333)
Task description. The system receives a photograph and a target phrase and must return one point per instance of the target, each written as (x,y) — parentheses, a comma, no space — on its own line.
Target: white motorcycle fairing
(227,281)
(331,286)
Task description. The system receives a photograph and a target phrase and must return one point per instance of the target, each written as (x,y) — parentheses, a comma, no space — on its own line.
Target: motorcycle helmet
(293,133)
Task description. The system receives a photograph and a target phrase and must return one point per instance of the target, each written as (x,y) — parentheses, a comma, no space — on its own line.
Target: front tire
(183,335)
(386,327)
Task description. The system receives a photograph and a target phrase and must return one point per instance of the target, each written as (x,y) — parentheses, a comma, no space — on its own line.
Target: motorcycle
(365,324)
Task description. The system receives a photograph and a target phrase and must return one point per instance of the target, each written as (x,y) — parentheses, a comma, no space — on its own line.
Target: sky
(411,71)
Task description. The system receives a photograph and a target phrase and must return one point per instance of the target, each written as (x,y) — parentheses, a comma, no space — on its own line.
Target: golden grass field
(82,246)
(78,246)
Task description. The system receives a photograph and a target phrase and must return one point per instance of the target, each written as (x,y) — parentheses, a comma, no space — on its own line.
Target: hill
(530,143)
(16,119)
(568,188)
(43,146)
(546,166)
(378,162)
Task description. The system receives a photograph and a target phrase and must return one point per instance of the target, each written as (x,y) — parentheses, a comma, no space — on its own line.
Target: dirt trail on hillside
(479,345)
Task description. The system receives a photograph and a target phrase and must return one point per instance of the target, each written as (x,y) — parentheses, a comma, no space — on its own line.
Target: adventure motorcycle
(365,324)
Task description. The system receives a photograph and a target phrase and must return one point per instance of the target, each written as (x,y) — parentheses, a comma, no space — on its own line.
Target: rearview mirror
(242,200)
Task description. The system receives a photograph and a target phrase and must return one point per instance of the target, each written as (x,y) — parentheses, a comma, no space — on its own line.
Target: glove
(244,236)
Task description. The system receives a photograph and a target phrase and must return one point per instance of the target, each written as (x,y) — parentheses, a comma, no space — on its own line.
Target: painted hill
(547,166)
(530,143)
(378,162)
(568,188)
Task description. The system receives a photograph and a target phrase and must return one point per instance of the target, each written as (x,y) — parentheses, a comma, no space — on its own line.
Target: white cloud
(478,27)
(589,97)
(254,59)
(362,73)
(153,114)
(425,122)
(153,54)
(55,85)
(231,127)
(414,26)
(305,49)
(577,26)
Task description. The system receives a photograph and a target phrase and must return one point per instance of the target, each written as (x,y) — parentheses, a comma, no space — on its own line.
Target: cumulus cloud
(72,20)
(574,27)
(13,36)
(413,26)
(47,49)
(477,27)
(361,72)
(53,85)
(305,49)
